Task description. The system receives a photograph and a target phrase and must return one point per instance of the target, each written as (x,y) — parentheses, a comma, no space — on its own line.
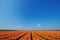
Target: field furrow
(30,35)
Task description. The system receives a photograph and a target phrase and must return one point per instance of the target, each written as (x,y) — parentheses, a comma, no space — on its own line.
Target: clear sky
(30,14)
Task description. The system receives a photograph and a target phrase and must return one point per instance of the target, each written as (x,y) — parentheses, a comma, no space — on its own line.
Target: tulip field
(29,35)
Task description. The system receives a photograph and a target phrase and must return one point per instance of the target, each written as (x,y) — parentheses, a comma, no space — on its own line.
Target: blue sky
(30,14)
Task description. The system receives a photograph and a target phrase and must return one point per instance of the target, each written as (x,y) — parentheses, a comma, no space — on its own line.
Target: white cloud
(39,25)
(19,26)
